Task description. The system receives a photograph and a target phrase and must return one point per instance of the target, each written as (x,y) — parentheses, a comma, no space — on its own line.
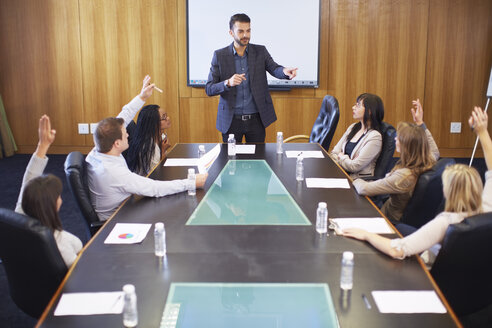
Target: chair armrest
(95,226)
(296,137)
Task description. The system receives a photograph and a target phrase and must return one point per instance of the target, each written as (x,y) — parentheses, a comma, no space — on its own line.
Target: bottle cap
(322,204)
(231,135)
(348,256)
(279,133)
(129,289)
(191,171)
(201,147)
(159,226)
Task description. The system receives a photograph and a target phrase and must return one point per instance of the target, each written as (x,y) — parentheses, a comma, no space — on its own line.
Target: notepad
(181,162)
(304,154)
(327,183)
(90,303)
(245,149)
(374,225)
(408,301)
(128,233)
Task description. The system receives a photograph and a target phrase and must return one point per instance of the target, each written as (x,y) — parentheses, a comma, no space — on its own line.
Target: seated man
(110,181)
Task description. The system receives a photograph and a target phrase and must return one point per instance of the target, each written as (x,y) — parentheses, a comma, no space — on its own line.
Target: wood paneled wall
(81,60)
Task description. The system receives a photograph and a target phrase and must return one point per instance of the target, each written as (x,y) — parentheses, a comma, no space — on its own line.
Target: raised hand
(417,112)
(478,120)
(147,88)
(46,136)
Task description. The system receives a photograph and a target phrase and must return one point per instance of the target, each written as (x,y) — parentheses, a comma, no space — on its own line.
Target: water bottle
(347,273)
(160,239)
(299,169)
(201,151)
(231,145)
(191,182)
(322,218)
(130,315)
(280,141)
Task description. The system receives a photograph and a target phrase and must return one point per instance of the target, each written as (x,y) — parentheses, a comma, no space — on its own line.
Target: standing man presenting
(238,75)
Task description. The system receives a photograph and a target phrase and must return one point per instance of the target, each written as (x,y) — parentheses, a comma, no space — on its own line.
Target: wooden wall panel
(41,69)
(197,117)
(458,67)
(122,41)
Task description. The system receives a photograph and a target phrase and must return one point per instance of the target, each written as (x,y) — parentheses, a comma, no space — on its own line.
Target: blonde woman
(418,153)
(464,194)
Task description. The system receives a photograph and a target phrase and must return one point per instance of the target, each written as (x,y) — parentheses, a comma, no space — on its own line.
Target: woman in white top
(149,141)
(358,149)
(40,195)
(465,196)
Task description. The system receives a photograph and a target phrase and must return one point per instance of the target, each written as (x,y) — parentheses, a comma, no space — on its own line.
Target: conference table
(238,258)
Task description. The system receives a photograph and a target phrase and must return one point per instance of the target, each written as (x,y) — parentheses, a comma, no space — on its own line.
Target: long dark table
(273,254)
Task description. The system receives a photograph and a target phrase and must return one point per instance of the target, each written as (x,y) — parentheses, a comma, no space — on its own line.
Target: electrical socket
(83,128)
(455,127)
(93,127)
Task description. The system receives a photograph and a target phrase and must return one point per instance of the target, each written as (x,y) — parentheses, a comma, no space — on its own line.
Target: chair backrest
(385,159)
(427,199)
(463,267)
(325,125)
(32,261)
(76,172)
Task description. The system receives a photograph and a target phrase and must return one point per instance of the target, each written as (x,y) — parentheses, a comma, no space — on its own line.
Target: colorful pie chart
(125,236)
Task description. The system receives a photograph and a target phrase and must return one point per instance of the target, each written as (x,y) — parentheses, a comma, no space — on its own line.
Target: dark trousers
(249,126)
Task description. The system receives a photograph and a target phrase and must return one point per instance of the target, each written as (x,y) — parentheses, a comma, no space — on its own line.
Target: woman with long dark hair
(358,149)
(40,195)
(149,141)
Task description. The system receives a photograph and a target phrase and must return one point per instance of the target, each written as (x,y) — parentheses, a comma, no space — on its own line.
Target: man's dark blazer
(223,67)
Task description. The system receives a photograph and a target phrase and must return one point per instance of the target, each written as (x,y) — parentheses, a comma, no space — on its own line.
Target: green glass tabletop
(247,192)
(249,305)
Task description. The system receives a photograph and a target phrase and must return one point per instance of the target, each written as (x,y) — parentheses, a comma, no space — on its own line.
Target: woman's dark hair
(373,114)
(142,144)
(39,200)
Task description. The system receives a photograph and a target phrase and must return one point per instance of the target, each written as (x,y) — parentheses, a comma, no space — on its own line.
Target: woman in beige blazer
(358,149)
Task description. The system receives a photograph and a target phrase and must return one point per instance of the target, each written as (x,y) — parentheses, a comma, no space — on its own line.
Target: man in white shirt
(109,179)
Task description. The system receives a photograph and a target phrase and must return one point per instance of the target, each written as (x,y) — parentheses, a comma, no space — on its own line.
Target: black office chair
(325,125)
(463,267)
(76,172)
(32,261)
(385,160)
(427,199)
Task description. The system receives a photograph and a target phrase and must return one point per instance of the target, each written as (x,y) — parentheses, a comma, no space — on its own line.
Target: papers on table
(208,159)
(128,233)
(408,301)
(327,183)
(90,303)
(374,225)
(304,154)
(181,162)
(245,149)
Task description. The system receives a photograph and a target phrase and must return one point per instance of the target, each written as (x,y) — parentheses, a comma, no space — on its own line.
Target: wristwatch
(225,83)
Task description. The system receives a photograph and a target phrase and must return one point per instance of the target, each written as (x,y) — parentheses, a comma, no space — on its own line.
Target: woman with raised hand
(418,153)
(149,141)
(40,195)
(359,148)
(465,196)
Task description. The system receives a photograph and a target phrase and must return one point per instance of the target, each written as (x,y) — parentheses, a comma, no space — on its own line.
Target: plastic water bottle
(299,169)
(347,273)
(322,218)
(201,151)
(280,142)
(192,182)
(160,239)
(231,145)
(130,314)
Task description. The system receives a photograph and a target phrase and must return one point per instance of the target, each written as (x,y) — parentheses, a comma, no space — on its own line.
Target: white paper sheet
(374,225)
(128,233)
(181,162)
(245,149)
(304,154)
(208,159)
(90,303)
(327,183)
(408,301)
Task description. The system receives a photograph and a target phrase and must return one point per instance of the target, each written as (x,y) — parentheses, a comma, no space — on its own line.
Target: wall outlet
(83,128)
(93,127)
(455,127)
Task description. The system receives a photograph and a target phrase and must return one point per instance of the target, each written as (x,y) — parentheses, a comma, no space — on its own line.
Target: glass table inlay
(247,192)
(249,305)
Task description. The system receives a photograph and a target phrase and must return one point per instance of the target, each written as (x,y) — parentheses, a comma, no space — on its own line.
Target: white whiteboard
(288,28)
(489,90)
